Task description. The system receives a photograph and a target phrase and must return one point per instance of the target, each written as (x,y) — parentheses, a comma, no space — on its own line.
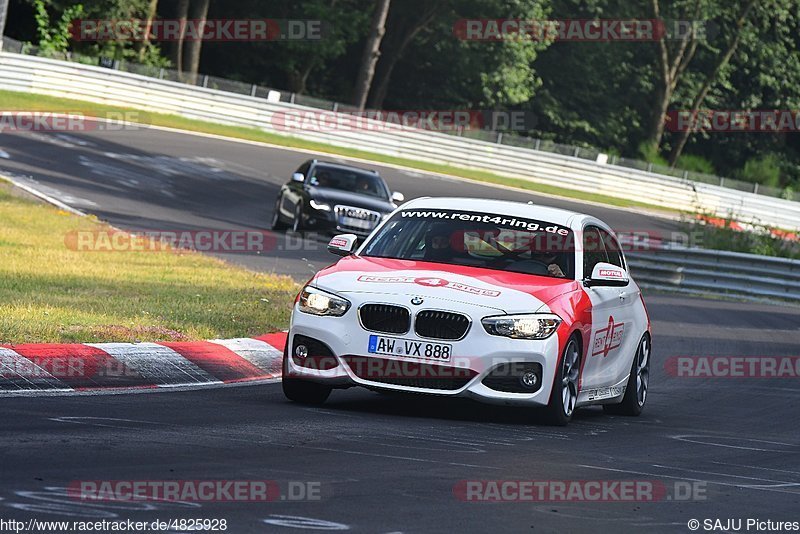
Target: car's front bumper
(477,356)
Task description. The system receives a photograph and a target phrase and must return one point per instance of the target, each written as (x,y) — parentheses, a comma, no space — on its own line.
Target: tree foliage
(743,55)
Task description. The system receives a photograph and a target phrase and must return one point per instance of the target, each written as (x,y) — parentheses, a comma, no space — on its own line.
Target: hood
(504,291)
(336,196)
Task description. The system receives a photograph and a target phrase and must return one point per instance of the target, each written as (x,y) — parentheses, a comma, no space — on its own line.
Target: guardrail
(701,271)
(492,136)
(85,82)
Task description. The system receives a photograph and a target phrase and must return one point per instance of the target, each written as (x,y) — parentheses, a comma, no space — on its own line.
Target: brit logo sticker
(608,338)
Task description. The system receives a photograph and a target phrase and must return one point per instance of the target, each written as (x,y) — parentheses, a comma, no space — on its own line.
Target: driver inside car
(437,244)
(551,260)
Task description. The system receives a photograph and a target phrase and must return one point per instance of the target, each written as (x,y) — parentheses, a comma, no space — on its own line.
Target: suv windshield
(353,181)
(499,242)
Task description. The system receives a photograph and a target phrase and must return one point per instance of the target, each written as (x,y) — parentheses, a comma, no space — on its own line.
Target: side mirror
(343,245)
(607,275)
(298,177)
(398,197)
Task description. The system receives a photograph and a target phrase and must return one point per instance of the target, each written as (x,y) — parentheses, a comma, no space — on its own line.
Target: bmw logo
(416,301)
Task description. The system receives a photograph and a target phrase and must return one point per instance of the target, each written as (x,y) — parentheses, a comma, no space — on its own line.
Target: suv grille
(356,219)
(441,324)
(385,318)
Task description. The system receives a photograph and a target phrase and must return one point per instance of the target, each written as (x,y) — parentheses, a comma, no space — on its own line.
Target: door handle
(623,295)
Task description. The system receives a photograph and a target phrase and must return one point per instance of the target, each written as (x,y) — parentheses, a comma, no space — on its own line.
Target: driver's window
(613,250)
(594,250)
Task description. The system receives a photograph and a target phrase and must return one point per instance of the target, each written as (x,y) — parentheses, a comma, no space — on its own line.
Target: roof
(498,207)
(344,166)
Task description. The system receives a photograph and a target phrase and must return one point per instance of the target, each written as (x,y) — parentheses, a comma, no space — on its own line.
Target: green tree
(54,36)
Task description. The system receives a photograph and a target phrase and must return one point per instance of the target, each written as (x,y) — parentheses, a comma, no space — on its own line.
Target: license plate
(393,346)
(356,223)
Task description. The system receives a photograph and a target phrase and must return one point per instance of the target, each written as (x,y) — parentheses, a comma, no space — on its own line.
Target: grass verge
(15,101)
(49,293)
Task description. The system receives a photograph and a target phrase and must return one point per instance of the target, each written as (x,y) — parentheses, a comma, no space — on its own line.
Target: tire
(302,391)
(305,391)
(639,380)
(297,221)
(277,223)
(564,396)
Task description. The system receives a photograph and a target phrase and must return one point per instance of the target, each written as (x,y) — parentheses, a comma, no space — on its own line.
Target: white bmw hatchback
(502,302)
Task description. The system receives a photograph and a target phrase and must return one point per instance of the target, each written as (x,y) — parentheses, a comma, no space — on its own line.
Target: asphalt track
(390,463)
(147,179)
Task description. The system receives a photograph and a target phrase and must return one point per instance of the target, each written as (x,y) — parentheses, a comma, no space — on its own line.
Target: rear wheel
(277,223)
(638,382)
(565,387)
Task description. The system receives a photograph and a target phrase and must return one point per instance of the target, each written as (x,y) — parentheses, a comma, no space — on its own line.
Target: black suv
(333,198)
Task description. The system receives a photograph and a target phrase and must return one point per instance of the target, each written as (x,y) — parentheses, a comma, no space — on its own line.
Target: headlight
(532,326)
(318,302)
(321,206)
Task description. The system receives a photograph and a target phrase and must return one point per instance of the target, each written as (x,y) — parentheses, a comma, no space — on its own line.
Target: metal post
(253,90)
(755,189)
(499,138)
(3,14)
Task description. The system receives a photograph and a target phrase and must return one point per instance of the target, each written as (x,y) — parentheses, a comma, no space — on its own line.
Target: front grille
(385,318)
(357,213)
(358,220)
(409,373)
(436,324)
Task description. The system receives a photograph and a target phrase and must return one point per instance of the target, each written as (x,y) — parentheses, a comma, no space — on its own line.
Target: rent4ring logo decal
(498,220)
(429,282)
(608,338)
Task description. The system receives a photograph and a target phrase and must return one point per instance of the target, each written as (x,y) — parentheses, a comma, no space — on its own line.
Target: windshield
(472,239)
(352,181)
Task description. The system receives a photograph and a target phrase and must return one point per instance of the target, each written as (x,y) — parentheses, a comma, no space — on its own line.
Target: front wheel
(297,222)
(638,382)
(565,387)
(299,390)
(277,223)
(305,391)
